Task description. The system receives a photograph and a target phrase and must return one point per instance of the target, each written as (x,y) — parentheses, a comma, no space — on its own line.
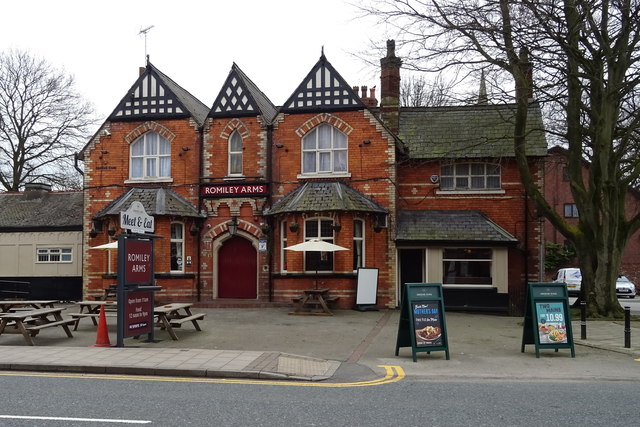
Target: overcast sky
(276,43)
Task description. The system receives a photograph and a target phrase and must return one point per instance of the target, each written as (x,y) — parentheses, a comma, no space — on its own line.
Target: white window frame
(61,255)
(147,157)
(179,242)
(358,241)
(454,178)
(571,210)
(328,222)
(234,154)
(313,144)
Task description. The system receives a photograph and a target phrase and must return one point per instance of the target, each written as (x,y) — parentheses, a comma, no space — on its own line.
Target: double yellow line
(392,374)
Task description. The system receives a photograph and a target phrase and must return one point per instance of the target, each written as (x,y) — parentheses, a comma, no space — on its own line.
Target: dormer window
(324,151)
(470,176)
(235,154)
(150,157)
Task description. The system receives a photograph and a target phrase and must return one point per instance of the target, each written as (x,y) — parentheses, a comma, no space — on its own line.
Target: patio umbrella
(111,245)
(316,245)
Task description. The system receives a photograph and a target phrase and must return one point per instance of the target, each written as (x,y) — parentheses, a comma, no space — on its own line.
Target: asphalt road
(83,401)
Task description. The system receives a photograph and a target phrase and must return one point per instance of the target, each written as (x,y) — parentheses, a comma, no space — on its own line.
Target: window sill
(456,192)
(324,175)
(147,180)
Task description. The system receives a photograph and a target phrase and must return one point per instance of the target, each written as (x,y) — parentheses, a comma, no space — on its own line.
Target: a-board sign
(422,323)
(367,289)
(547,319)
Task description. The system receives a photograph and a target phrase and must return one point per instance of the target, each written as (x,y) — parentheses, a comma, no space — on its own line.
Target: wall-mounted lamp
(279,145)
(185,148)
(111,230)
(366,142)
(336,227)
(233,226)
(106,132)
(104,151)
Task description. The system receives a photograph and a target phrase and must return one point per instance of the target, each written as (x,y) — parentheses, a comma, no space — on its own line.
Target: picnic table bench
(174,315)
(313,299)
(30,322)
(91,310)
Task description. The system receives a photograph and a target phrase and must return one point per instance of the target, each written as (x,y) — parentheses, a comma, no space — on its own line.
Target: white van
(572,277)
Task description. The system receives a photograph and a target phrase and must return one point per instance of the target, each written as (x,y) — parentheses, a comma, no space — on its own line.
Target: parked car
(572,277)
(625,288)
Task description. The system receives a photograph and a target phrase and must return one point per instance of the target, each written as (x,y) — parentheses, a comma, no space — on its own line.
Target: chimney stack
(390,88)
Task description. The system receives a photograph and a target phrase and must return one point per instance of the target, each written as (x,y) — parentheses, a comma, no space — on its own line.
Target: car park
(625,288)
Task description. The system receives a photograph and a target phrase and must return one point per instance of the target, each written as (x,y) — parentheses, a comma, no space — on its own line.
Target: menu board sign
(138,313)
(552,328)
(422,323)
(427,324)
(547,320)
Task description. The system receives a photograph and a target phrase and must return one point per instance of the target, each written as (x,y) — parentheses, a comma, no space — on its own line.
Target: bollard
(627,327)
(583,320)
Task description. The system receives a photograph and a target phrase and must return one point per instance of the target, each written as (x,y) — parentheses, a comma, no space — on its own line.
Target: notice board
(547,320)
(367,289)
(422,323)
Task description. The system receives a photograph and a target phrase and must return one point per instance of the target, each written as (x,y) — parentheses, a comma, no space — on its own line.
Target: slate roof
(41,210)
(439,226)
(325,197)
(323,89)
(475,131)
(239,96)
(155,96)
(156,201)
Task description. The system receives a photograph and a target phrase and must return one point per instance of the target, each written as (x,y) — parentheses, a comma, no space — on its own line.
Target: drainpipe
(200,209)
(75,163)
(269,219)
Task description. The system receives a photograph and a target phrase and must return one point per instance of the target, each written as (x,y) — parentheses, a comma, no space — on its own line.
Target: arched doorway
(237,269)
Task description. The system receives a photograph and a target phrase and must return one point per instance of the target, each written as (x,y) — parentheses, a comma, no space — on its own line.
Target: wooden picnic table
(174,315)
(10,305)
(30,322)
(91,309)
(311,299)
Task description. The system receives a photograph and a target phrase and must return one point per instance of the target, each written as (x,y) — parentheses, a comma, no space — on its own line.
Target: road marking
(392,374)
(87,420)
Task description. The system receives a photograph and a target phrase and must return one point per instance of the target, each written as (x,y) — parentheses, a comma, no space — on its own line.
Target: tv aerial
(145,31)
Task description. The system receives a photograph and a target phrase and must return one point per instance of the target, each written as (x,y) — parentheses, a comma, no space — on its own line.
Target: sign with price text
(422,321)
(547,322)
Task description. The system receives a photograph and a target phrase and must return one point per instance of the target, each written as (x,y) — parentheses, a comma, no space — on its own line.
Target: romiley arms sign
(136,219)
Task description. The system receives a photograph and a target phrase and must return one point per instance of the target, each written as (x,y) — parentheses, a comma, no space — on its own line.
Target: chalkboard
(547,322)
(422,323)
(367,286)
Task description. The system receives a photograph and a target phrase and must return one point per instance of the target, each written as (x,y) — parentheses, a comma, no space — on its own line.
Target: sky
(195,43)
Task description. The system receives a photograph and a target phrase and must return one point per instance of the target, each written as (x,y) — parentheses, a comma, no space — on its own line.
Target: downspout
(199,241)
(269,219)
(75,164)
(526,242)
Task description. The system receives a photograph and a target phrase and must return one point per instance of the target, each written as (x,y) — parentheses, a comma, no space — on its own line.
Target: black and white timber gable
(240,97)
(323,89)
(155,96)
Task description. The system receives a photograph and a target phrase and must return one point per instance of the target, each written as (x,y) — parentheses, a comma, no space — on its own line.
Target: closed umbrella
(316,245)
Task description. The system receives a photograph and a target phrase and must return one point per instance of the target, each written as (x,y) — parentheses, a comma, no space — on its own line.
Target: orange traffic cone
(102,339)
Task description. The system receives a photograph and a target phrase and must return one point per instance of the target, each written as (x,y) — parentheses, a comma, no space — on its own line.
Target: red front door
(237,274)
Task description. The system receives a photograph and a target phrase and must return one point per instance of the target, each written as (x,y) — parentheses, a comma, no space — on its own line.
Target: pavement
(350,347)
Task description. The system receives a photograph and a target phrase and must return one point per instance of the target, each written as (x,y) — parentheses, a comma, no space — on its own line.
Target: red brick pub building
(420,194)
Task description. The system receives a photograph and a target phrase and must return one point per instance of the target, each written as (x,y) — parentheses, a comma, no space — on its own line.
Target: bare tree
(416,91)
(584,58)
(43,122)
